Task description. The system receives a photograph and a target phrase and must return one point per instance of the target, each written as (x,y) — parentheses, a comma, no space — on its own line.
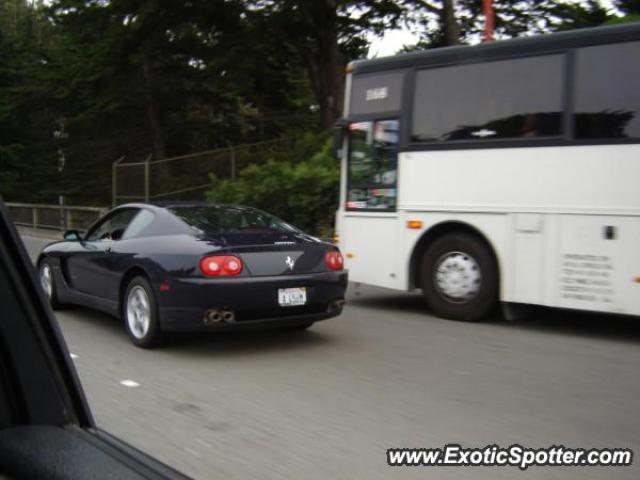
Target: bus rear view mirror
(339,129)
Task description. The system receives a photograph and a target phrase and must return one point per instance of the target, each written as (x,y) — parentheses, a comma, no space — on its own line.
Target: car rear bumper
(253,301)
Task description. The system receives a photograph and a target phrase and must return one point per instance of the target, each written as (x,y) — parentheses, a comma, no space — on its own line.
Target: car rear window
(212,220)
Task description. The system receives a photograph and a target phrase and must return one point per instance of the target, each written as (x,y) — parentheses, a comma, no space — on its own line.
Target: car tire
(460,277)
(46,278)
(140,314)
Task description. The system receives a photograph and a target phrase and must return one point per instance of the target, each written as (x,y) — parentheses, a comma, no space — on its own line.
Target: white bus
(504,172)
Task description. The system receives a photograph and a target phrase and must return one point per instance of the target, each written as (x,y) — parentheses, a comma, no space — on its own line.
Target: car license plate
(289,297)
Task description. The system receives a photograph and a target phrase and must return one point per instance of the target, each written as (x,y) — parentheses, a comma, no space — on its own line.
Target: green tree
(570,16)
(630,10)
(512,18)
(323,36)
(299,184)
(27,110)
(148,64)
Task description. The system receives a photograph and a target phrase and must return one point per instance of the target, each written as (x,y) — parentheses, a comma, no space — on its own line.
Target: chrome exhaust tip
(212,316)
(337,305)
(228,316)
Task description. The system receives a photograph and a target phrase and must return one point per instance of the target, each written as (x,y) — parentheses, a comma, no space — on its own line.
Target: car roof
(167,221)
(188,204)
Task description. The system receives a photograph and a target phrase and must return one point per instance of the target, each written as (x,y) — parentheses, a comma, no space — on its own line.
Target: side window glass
(521,98)
(99,230)
(373,165)
(141,221)
(607,97)
(112,227)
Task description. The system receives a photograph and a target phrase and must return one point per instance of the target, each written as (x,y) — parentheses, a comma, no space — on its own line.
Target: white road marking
(202,442)
(129,383)
(192,452)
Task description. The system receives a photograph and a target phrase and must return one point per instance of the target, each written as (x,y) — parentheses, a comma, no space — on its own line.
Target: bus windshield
(373,165)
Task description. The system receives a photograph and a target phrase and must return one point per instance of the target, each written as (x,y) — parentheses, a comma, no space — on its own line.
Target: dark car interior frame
(46,427)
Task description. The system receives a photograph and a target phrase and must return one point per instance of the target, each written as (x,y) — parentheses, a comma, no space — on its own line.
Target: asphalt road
(328,402)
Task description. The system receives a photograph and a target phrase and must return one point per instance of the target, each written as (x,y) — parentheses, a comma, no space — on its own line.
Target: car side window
(113,226)
(138,224)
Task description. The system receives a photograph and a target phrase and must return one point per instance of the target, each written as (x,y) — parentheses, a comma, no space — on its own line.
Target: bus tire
(459,277)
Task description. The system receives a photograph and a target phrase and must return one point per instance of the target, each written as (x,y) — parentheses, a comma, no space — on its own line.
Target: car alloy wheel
(138,312)
(46,280)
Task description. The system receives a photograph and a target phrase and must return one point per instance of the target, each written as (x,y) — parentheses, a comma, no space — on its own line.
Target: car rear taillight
(221,265)
(334,260)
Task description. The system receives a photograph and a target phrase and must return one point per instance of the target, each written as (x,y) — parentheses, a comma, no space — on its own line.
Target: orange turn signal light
(414,224)
(336,238)
(349,255)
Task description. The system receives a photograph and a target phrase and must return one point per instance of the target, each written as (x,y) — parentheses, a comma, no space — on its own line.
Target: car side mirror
(339,129)
(72,236)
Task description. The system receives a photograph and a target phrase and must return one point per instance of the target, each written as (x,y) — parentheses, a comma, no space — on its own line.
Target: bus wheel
(460,277)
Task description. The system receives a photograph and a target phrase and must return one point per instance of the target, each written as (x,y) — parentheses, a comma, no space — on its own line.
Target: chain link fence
(185,177)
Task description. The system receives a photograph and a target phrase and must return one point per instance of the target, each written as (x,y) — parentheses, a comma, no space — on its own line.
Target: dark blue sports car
(195,267)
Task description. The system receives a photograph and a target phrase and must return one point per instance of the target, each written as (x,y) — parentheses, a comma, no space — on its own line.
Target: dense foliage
(298,183)
(85,82)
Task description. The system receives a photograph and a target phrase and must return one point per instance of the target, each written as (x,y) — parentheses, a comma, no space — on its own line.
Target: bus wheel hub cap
(457,277)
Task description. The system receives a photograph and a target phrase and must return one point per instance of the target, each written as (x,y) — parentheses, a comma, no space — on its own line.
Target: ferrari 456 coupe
(195,267)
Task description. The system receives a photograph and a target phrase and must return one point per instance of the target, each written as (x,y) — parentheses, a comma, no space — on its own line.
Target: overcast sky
(392,41)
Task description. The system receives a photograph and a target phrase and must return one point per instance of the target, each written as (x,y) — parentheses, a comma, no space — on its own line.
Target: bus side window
(503,99)
(372,165)
(607,105)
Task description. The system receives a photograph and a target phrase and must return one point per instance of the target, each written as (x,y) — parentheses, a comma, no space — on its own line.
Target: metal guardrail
(55,217)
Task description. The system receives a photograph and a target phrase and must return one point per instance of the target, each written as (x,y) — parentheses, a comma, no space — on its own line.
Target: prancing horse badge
(290,262)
